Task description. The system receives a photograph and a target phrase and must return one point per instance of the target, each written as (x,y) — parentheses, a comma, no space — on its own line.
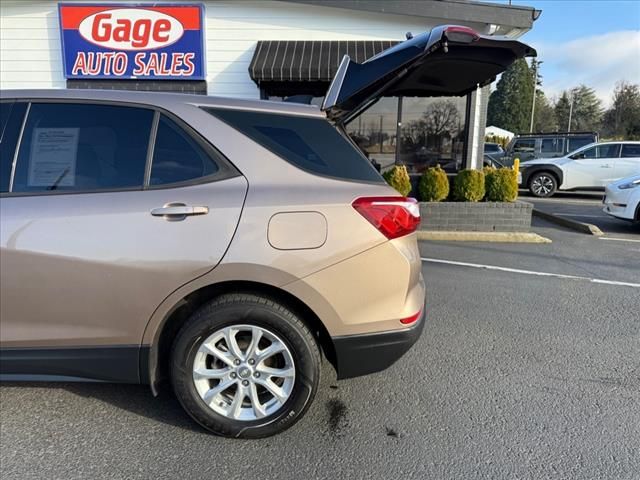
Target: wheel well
(158,366)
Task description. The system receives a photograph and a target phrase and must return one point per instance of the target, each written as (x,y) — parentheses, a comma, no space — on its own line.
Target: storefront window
(375,131)
(432,133)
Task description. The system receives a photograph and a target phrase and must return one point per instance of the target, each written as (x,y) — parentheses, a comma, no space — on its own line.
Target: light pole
(570,110)
(534,64)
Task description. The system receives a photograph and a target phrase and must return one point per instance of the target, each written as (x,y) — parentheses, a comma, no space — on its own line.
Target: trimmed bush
(434,185)
(398,178)
(501,185)
(468,186)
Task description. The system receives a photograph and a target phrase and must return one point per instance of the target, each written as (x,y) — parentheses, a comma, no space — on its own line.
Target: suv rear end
(220,244)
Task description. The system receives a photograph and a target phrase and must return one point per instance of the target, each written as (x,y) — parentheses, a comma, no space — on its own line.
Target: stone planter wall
(476,217)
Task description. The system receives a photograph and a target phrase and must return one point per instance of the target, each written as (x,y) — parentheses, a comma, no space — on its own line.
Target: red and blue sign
(128,41)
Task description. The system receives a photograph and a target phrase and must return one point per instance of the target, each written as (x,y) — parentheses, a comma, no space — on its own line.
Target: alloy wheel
(244,372)
(542,185)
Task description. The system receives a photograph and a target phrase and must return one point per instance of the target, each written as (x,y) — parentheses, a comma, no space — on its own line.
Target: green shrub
(468,186)
(398,178)
(434,185)
(501,185)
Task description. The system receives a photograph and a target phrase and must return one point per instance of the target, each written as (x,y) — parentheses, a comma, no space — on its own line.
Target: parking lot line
(531,272)
(620,239)
(581,215)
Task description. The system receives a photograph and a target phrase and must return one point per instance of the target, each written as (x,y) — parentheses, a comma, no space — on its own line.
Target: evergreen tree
(622,120)
(586,113)
(544,118)
(510,103)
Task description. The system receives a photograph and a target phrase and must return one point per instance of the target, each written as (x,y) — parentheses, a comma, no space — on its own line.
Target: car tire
(218,339)
(543,184)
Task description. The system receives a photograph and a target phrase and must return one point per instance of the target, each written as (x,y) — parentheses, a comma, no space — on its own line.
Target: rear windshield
(311,144)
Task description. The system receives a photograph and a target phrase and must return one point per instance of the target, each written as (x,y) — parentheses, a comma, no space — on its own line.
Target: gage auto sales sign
(154,41)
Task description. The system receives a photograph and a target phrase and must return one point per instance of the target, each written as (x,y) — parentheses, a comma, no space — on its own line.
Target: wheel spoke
(213,392)
(273,389)
(230,337)
(236,405)
(277,372)
(256,335)
(258,409)
(225,357)
(212,372)
(273,349)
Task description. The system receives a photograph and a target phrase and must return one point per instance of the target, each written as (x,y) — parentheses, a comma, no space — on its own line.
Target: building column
(477,122)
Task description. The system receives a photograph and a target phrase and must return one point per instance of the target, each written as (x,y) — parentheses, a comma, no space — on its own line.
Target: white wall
(30,52)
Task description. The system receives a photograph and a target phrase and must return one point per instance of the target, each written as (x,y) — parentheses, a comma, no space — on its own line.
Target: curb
(502,237)
(581,227)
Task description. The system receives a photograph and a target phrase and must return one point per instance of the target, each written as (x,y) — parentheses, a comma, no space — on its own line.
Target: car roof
(164,99)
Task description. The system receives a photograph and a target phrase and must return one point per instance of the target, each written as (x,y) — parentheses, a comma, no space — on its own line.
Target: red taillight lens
(411,319)
(392,216)
(461,34)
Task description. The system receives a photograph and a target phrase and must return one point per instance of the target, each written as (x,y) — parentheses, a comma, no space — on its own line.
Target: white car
(591,167)
(622,199)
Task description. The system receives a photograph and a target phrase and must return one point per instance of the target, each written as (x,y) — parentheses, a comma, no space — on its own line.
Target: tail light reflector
(393,216)
(411,319)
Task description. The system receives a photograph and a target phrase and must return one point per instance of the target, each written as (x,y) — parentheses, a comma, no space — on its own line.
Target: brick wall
(476,217)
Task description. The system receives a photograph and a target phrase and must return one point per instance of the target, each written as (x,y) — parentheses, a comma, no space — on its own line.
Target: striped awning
(308,61)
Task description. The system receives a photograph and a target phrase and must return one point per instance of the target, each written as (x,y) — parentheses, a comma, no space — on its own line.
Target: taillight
(460,34)
(413,318)
(392,216)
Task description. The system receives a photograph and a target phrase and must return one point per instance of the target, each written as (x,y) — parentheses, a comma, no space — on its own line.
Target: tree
(544,118)
(622,120)
(510,103)
(586,113)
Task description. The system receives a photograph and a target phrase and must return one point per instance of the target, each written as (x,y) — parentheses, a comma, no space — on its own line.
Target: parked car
(622,199)
(220,244)
(529,146)
(589,167)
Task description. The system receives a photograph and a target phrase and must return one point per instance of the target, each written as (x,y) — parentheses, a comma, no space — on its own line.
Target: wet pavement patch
(337,411)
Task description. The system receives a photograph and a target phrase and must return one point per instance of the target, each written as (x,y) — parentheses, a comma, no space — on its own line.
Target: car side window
(552,145)
(527,145)
(578,142)
(11,117)
(178,157)
(82,147)
(630,150)
(609,151)
(588,153)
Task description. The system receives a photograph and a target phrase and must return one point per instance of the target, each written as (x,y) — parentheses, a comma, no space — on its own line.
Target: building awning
(295,67)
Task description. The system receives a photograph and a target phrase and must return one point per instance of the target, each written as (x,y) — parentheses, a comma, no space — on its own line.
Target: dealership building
(276,50)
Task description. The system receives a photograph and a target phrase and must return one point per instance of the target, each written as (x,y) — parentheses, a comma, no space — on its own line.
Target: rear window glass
(578,142)
(311,144)
(630,150)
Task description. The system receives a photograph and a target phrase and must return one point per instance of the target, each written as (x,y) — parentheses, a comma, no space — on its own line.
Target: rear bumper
(358,355)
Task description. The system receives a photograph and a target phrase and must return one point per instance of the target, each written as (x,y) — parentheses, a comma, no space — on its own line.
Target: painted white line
(620,239)
(580,215)
(530,272)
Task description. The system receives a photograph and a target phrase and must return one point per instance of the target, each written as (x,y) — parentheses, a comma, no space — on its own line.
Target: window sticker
(52,160)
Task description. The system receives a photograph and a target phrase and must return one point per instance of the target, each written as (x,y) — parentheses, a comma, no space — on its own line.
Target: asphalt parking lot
(517,375)
(584,207)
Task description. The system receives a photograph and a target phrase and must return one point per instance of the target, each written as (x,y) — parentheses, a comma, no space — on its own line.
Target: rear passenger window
(527,145)
(311,144)
(630,150)
(82,147)
(177,157)
(552,145)
(578,142)
(11,117)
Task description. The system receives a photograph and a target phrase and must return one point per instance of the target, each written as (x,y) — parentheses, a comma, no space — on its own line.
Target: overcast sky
(595,42)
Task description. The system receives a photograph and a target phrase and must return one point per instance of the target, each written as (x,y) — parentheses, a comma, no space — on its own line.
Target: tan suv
(219,244)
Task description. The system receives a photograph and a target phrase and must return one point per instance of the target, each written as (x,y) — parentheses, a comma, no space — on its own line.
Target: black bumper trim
(359,355)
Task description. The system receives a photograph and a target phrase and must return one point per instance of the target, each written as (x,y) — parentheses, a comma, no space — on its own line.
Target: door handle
(178,211)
